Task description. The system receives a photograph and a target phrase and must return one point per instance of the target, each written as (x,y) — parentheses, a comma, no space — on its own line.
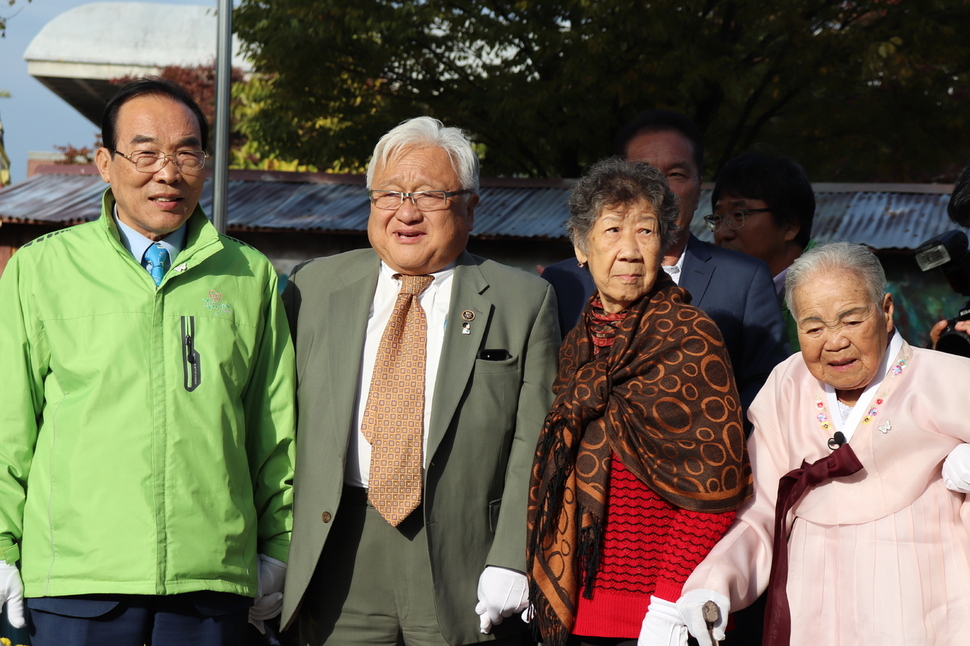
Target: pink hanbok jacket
(879,557)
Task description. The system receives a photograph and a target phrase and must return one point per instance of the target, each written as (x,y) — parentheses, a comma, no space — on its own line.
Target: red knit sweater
(649,547)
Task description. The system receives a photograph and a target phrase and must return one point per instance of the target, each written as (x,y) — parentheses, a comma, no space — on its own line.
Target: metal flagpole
(220,183)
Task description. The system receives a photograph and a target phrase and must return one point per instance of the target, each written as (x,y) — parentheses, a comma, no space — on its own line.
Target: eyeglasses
(422,200)
(734,220)
(152,161)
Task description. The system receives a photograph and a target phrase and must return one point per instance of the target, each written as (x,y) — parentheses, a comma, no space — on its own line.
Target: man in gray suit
(369,564)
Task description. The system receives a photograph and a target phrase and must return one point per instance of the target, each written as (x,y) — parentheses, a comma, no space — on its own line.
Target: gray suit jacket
(483,431)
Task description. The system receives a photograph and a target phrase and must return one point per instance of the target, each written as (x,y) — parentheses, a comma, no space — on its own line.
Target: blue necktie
(155,259)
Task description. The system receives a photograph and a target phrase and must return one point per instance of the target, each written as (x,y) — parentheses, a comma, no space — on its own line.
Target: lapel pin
(467,317)
(886,426)
(180,268)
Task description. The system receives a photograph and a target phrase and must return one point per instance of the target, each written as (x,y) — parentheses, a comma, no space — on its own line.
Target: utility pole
(220,179)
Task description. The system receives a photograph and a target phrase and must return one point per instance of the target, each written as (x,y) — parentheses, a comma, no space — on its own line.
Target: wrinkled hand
(501,593)
(956,469)
(691,611)
(12,594)
(662,625)
(269,591)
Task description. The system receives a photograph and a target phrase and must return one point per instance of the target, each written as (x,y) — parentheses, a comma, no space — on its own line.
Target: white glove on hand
(690,607)
(269,591)
(662,625)
(501,593)
(956,469)
(12,594)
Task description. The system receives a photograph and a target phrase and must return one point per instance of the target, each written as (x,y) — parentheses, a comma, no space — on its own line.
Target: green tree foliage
(856,91)
(200,82)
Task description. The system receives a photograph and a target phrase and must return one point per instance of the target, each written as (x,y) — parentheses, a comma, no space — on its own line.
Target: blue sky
(34,118)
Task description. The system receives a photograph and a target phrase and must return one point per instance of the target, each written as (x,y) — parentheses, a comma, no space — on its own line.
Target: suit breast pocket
(487,366)
(494,394)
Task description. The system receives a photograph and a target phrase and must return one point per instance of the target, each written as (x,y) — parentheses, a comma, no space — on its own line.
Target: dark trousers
(193,619)
(578,640)
(748,625)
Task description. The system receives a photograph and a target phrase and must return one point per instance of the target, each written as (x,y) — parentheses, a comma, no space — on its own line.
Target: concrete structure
(77,54)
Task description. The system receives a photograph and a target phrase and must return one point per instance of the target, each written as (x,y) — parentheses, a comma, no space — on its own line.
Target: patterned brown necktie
(394,416)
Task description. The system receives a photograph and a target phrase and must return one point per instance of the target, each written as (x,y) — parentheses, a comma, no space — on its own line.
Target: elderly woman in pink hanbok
(859,527)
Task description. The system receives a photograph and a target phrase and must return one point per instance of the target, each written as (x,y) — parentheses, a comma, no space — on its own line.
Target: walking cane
(711,615)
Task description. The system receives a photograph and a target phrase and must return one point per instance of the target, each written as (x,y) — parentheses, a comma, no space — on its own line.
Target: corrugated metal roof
(883,216)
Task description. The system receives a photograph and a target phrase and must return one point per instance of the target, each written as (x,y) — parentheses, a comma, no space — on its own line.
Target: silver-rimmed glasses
(422,200)
(734,220)
(152,161)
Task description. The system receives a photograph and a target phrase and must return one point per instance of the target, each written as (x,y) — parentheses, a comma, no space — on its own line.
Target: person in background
(641,462)
(764,206)
(734,289)
(424,376)
(146,406)
(958,208)
(858,526)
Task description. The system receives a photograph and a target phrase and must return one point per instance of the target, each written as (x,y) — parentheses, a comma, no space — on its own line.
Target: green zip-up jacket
(146,434)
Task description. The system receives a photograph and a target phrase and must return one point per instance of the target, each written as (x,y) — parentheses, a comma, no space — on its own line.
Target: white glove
(956,469)
(662,625)
(269,591)
(690,607)
(12,594)
(501,594)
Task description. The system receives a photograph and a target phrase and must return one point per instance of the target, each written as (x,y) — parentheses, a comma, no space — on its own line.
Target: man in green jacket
(146,406)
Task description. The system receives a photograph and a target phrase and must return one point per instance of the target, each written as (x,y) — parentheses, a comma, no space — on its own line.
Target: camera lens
(954,342)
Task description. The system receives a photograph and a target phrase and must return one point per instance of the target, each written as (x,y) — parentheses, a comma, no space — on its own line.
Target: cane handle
(711,615)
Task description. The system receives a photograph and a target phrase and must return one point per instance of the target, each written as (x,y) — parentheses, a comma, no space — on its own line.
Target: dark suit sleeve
(763,334)
(573,286)
(535,400)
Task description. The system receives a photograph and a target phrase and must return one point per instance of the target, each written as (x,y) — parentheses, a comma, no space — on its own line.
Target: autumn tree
(863,91)
(200,82)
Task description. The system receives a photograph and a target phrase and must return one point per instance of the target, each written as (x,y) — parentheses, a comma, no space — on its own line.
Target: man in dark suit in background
(734,289)
(412,555)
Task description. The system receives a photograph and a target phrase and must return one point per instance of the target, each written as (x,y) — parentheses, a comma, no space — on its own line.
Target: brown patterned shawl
(663,398)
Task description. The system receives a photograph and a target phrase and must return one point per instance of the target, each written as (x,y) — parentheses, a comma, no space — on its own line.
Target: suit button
(326,517)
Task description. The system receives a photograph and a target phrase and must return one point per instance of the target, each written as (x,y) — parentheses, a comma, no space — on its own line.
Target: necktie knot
(155,260)
(414,285)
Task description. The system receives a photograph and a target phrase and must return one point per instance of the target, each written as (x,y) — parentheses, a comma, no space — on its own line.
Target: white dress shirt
(435,301)
(677,268)
(780,282)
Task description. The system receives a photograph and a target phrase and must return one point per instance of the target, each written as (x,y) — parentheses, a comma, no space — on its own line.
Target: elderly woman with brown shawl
(641,462)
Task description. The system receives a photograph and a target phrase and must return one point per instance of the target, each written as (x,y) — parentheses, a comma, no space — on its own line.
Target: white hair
(842,257)
(423,132)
